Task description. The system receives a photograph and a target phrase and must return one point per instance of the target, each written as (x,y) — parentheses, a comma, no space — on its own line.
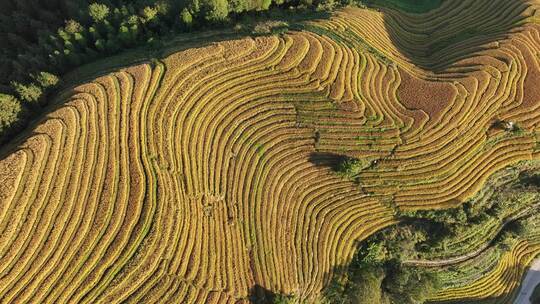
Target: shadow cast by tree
(259,294)
(327,160)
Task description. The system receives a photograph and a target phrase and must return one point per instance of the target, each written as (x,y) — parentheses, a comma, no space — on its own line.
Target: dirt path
(532,279)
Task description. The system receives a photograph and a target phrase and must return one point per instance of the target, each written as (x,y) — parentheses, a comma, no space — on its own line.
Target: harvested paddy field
(207,175)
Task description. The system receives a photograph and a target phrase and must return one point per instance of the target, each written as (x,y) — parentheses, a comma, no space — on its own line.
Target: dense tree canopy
(10,112)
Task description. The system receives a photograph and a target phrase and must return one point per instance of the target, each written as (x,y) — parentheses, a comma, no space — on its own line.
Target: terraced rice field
(193,178)
(501,284)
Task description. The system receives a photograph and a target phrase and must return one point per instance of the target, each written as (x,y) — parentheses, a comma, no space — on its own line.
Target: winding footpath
(532,279)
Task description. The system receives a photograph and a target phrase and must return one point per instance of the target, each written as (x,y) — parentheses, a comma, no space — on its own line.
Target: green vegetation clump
(98,12)
(376,274)
(384,269)
(10,113)
(284,299)
(47,80)
(351,167)
(186,18)
(30,93)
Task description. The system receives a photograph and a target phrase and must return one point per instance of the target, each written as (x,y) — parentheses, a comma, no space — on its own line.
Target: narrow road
(532,279)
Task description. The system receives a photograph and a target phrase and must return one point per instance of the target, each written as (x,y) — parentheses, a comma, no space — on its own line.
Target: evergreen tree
(73,27)
(112,45)
(80,40)
(149,14)
(194,7)
(10,112)
(46,80)
(30,93)
(216,10)
(266,4)
(100,45)
(186,18)
(124,35)
(98,12)
(94,33)
(238,6)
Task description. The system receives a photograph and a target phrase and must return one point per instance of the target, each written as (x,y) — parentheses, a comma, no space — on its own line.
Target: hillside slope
(198,176)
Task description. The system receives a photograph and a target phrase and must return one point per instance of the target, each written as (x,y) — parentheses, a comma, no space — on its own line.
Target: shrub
(270,27)
(351,167)
(73,27)
(10,112)
(30,93)
(374,254)
(283,299)
(367,288)
(186,18)
(163,7)
(149,14)
(217,11)
(46,80)
(409,284)
(336,291)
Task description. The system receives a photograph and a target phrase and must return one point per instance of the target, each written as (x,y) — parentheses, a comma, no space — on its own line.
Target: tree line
(44,39)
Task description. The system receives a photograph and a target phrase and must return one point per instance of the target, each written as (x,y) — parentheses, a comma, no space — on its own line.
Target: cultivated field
(195,177)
